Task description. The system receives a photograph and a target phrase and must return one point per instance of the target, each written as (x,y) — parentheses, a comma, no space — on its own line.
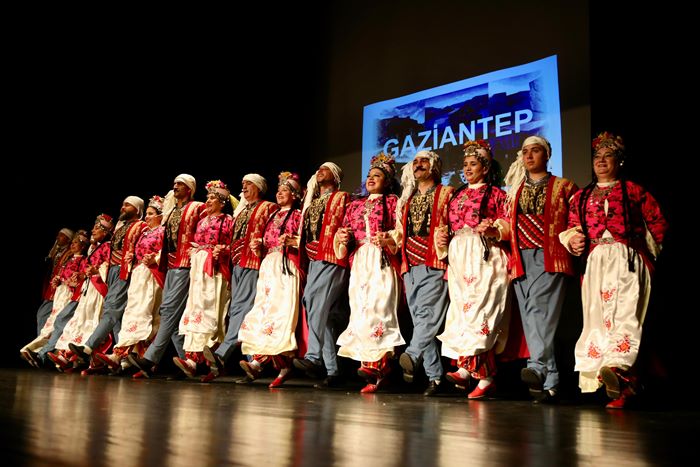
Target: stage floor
(55,419)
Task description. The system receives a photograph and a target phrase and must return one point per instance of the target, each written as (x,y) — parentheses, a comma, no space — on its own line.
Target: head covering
(105,222)
(257,180)
(384,162)
(56,248)
(169,202)
(539,140)
(156,202)
(136,202)
(516,172)
(220,189)
(471,149)
(291,181)
(312,184)
(83,237)
(435,162)
(609,140)
(67,232)
(408,180)
(188,180)
(337,171)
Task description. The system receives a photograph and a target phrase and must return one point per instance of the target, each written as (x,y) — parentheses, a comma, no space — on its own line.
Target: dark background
(120,106)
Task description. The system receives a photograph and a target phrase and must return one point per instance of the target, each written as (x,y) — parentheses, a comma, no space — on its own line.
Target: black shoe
(312,369)
(331,381)
(550,396)
(408,365)
(80,353)
(434,388)
(216,363)
(32,358)
(534,382)
(145,365)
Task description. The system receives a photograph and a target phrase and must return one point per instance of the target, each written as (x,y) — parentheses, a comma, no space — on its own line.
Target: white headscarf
(257,180)
(408,180)
(136,202)
(312,184)
(337,171)
(169,202)
(188,180)
(516,172)
(67,232)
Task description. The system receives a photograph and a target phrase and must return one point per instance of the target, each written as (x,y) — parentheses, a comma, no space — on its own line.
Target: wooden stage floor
(55,419)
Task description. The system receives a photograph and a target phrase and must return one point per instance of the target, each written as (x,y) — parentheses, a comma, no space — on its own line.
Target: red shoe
(372,388)
(209,377)
(114,366)
(250,370)
(185,366)
(61,363)
(368,374)
(216,364)
(277,382)
(140,375)
(92,370)
(456,379)
(479,393)
(617,403)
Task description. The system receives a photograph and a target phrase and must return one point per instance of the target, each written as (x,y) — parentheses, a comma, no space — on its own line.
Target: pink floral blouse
(73,266)
(100,255)
(272,230)
(217,230)
(464,208)
(150,241)
(644,208)
(372,207)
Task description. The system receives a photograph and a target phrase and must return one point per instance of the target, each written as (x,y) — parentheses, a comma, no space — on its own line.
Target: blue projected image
(503,107)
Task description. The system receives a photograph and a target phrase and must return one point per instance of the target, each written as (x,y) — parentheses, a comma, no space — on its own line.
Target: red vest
(438,218)
(556,214)
(333,215)
(255,229)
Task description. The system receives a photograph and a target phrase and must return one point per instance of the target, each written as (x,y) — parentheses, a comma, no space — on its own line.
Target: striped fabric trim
(416,250)
(172,260)
(530,231)
(479,366)
(116,258)
(381,365)
(262,359)
(197,357)
(236,250)
(312,250)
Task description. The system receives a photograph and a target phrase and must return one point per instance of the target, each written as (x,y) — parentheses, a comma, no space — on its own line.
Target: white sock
(256,364)
(463,373)
(283,372)
(87,350)
(485,382)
